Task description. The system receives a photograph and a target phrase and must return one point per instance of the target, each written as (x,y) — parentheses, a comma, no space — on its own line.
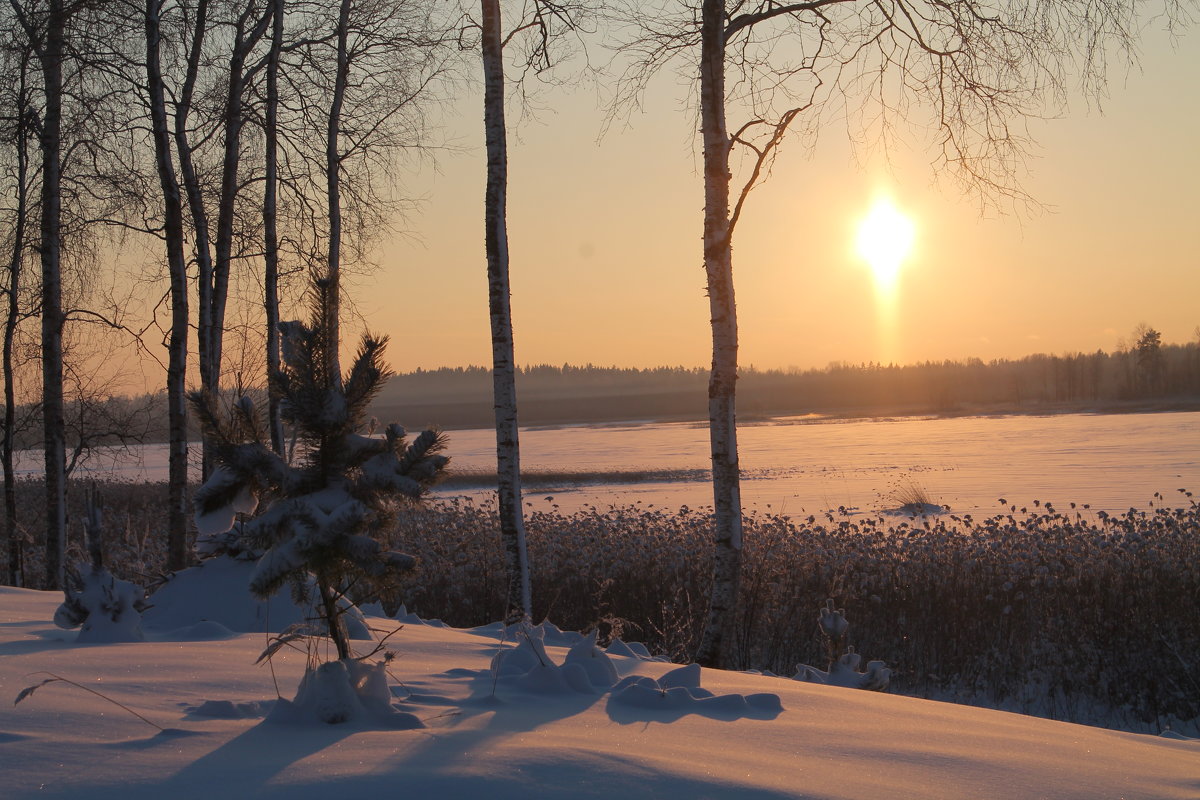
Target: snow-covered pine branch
(319,518)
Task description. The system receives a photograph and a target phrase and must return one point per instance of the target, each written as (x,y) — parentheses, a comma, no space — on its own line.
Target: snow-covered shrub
(843,665)
(318,519)
(104,608)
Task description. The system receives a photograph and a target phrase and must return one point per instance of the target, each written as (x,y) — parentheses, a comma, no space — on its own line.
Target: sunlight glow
(885,238)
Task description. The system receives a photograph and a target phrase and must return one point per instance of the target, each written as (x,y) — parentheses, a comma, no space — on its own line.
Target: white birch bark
(16,568)
(51,54)
(508,461)
(333,183)
(717,644)
(177,512)
(270,228)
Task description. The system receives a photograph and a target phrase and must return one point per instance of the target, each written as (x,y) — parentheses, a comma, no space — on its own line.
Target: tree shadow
(28,647)
(248,762)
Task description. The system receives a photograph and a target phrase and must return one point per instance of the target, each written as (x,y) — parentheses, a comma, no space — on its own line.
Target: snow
(486,736)
(105,609)
(221,519)
(213,600)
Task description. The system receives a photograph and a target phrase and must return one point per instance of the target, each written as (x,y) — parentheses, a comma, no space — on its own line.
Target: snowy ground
(504,739)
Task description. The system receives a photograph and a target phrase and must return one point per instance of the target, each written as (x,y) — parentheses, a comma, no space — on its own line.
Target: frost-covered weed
(135,534)
(1065,613)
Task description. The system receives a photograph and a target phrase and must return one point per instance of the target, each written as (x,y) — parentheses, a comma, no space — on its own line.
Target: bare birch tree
(17,138)
(533,29)
(504,390)
(44,28)
(270,223)
(970,71)
(173,237)
(359,76)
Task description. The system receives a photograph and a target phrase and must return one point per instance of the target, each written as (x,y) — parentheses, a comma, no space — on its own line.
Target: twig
(28,690)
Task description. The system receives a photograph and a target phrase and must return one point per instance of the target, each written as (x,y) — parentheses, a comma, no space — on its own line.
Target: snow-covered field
(503,738)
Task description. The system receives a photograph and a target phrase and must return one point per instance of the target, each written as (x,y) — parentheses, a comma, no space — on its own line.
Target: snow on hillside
(487,735)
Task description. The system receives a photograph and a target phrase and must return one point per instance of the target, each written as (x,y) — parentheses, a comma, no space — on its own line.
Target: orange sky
(605,241)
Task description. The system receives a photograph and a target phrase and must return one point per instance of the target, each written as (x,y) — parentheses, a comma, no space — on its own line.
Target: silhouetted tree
(1147,350)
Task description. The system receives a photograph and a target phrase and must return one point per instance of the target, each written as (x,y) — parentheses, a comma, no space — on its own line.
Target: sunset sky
(605,240)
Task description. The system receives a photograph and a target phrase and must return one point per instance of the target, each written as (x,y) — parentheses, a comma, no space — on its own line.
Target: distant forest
(1146,375)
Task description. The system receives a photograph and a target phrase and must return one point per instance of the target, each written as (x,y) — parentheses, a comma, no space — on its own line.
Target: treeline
(1150,375)
(460,397)
(1166,373)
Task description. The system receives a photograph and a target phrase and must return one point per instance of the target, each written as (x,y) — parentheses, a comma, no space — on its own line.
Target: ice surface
(797,467)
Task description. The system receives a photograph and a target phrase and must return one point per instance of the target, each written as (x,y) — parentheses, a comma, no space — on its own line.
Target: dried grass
(1071,613)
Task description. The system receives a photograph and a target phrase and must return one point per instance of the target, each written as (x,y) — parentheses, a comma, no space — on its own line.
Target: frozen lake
(798,466)
(801,466)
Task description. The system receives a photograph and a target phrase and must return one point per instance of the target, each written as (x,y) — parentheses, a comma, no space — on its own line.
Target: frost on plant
(103,607)
(844,667)
(319,519)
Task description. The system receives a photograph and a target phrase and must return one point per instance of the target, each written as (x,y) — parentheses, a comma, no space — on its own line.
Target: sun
(885,238)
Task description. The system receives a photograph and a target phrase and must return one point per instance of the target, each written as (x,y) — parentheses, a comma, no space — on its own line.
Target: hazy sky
(606,257)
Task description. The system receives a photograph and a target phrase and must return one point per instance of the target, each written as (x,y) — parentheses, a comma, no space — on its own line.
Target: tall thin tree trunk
(333,177)
(202,245)
(717,644)
(16,567)
(177,512)
(270,231)
(234,120)
(54,427)
(214,275)
(508,457)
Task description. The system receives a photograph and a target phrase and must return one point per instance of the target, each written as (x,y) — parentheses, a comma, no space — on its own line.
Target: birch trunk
(202,245)
(270,233)
(333,167)
(232,123)
(214,275)
(177,512)
(508,460)
(717,644)
(16,568)
(51,56)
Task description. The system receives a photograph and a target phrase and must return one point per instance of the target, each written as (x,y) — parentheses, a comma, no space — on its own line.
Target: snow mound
(66,743)
(845,673)
(105,609)
(912,510)
(346,691)
(402,615)
(629,650)
(228,709)
(529,668)
(678,692)
(217,593)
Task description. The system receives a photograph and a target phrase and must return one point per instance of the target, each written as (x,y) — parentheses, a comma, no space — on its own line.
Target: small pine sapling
(843,662)
(104,608)
(320,519)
